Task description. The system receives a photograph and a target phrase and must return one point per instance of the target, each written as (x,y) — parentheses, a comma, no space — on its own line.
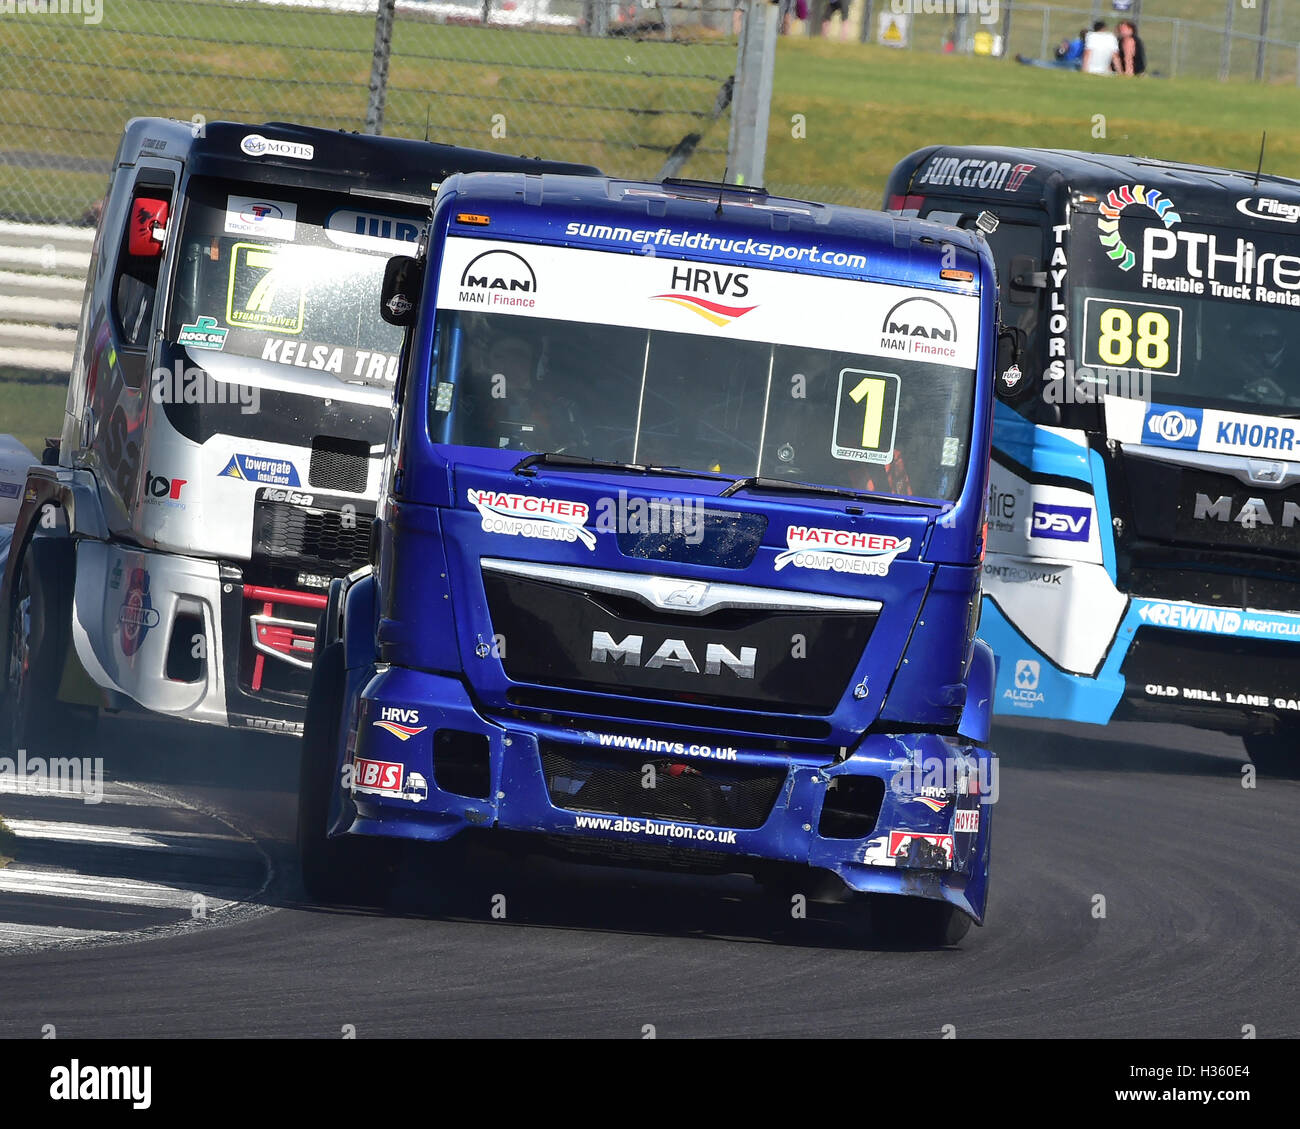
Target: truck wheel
(1275,754)
(918,921)
(350,870)
(40,635)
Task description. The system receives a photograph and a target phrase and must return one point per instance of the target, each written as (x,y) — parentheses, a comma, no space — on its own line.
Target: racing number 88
(1116,344)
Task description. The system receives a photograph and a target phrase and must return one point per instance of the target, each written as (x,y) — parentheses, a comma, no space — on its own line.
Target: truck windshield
(883,414)
(1190,314)
(289,279)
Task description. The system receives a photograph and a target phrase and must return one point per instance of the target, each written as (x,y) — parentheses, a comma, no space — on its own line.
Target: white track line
(182,842)
(65,790)
(12,934)
(91,887)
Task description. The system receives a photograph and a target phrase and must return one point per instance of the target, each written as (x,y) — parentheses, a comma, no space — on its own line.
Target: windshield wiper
(757,482)
(529,464)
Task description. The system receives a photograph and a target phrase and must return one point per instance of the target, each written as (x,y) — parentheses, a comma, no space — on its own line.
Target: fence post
(1261,55)
(1042,51)
(751,102)
(864,33)
(379,67)
(1173,50)
(1006,26)
(1225,60)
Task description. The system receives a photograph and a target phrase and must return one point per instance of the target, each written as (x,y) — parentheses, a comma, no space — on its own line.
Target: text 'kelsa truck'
(225,425)
(1144,510)
(679,547)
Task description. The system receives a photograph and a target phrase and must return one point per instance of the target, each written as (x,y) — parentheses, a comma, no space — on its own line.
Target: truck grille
(310,537)
(685,789)
(338,464)
(566,636)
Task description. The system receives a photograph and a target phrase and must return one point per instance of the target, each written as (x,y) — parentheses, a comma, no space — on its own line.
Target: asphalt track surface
(1199,937)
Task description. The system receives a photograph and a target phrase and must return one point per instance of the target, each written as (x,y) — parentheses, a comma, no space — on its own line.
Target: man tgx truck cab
(678,548)
(225,423)
(1144,509)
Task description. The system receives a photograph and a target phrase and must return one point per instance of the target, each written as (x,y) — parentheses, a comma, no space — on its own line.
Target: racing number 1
(872,390)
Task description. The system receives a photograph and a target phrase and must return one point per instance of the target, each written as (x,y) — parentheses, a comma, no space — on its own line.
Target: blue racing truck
(1144,506)
(677,558)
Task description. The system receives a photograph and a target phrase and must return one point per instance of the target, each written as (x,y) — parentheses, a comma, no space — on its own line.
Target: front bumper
(915,821)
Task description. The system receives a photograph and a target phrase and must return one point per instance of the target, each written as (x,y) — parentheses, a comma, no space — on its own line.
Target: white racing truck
(227,415)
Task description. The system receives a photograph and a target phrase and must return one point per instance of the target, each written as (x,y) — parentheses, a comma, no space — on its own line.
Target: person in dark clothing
(1132,57)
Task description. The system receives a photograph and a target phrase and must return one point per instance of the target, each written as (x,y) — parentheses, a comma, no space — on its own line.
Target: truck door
(118,346)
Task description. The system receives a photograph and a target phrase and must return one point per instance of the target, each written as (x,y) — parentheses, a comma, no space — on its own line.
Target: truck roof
(340,160)
(1048,173)
(608,213)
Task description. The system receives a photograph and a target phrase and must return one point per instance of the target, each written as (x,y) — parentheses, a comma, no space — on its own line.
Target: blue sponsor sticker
(256,468)
(1060,523)
(1172,427)
(9,489)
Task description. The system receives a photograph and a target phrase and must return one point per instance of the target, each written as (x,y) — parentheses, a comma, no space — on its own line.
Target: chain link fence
(637,87)
(642,89)
(1225,39)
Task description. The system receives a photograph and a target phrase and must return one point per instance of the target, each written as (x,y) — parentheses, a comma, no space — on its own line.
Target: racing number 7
(872,390)
(263,294)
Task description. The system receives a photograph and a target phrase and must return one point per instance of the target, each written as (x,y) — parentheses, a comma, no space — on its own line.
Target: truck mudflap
(904,814)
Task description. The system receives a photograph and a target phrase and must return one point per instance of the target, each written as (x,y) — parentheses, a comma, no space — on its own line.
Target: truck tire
(918,921)
(38,643)
(1275,754)
(349,870)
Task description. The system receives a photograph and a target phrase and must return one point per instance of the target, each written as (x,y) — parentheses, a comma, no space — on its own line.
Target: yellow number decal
(871,389)
(1115,345)
(263,294)
(1153,340)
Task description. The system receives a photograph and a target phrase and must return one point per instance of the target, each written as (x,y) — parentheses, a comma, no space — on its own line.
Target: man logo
(1026,674)
(500,270)
(920,317)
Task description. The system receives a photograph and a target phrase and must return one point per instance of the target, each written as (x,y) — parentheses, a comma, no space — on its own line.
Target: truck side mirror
(1013,379)
(1025,281)
(403,279)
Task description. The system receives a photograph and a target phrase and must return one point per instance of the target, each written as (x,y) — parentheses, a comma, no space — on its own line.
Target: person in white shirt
(1099,50)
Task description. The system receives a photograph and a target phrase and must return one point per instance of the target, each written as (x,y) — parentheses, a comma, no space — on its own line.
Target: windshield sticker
(255,468)
(866,416)
(919,327)
(255,145)
(498,278)
(1116,202)
(840,550)
(1172,257)
(373,231)
(1132,335)
(344,362)
(951,448)
(702,291)
(812,311)
(526,515)
(265,291)
(203,333)
(267,219)
(1267,208)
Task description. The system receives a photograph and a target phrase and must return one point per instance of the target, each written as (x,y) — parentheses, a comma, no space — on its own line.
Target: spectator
(1132,57)
(833,6)
(1100,49)
(1068,55)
